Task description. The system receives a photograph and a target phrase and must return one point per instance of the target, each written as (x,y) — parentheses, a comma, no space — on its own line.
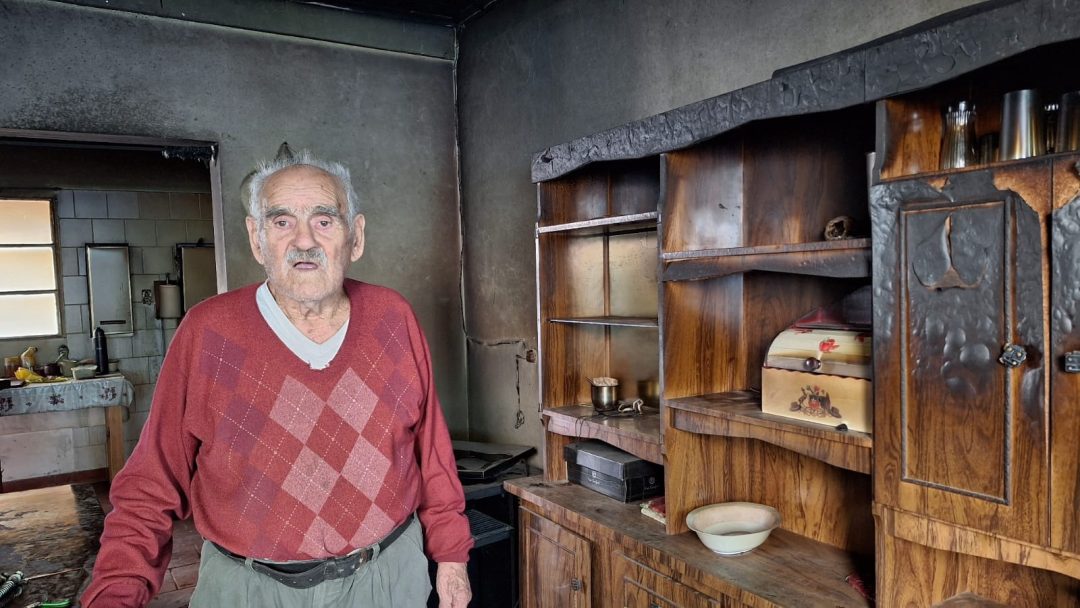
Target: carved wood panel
(554,565)
(954,394)
(958,275)
(1064,339)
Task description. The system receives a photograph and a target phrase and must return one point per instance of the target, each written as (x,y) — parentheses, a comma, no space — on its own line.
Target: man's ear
(358,243)
(253,239)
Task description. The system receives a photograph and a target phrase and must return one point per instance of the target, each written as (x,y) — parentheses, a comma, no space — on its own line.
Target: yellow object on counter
(29,376)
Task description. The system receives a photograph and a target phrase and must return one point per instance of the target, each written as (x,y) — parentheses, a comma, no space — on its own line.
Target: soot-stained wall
(388,116)
(535,73)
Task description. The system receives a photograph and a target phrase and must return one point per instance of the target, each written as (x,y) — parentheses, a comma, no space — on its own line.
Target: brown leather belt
(302,575)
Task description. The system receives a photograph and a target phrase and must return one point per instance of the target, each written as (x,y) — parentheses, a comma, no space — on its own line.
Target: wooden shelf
(991,166)
(848,258)
(738,414)
(639,435)
(787,570)
(605,225)
(612,321)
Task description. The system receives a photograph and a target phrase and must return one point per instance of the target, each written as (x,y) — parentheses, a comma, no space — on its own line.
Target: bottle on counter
(28,358)
(101,351)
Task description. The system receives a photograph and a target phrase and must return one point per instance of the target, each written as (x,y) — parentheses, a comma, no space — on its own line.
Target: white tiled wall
(151,223)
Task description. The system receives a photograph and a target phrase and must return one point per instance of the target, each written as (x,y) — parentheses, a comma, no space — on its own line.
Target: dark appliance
(492,513)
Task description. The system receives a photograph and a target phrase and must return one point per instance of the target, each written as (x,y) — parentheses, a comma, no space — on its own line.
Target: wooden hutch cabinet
(670,253)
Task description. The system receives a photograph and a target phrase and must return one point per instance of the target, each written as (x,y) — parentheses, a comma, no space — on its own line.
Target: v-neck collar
(317,356)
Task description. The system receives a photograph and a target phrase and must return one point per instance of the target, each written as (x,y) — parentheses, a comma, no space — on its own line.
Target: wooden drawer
(637,586)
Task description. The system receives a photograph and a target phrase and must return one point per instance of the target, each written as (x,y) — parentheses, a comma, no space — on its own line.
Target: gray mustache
(314,255)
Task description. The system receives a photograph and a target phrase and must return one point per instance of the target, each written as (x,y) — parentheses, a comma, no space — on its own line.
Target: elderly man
(297,421)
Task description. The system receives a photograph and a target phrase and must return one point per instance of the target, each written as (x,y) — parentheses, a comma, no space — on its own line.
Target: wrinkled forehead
(303,187)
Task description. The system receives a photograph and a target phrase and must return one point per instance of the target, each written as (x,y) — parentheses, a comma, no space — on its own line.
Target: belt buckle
(365,555)
(346,565)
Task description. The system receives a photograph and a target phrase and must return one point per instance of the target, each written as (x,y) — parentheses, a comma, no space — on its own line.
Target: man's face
(302,237)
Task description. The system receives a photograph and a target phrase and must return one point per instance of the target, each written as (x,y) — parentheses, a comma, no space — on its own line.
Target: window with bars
(29,297)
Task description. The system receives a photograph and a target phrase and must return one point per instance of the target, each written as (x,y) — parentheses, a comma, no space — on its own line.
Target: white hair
(267,169)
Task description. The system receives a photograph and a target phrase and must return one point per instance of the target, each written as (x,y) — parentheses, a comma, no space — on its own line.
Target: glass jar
(958,137)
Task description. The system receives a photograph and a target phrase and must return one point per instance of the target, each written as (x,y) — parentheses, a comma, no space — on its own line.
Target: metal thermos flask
(101,351)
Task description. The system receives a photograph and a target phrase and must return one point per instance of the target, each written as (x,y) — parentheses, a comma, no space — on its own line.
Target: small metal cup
(605,398)
(1022,126)
(1068,123)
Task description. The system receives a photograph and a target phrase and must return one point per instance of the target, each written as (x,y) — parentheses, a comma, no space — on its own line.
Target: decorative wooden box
(820,375)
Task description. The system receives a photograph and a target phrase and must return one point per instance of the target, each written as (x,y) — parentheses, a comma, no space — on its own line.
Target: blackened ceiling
(444,12)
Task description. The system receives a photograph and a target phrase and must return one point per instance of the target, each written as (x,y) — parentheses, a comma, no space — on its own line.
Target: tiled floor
(183,569)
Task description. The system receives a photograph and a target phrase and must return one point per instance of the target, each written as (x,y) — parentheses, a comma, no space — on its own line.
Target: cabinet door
(1065,341)
(958,275)
(637,586)
(555,565)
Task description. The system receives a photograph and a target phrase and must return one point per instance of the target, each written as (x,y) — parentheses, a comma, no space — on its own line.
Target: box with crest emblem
(820,375)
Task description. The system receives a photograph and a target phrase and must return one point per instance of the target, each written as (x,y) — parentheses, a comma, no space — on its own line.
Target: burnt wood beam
(925,55)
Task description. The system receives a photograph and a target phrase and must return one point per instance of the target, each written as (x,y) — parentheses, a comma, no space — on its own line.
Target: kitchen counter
(112,392)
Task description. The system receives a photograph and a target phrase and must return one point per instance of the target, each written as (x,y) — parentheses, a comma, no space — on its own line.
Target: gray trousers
(397,578)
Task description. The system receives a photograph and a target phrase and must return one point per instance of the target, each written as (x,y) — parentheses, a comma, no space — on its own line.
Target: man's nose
(304,237)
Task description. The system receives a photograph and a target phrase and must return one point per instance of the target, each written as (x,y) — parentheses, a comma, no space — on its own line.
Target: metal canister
(1021,126)
(1068,123)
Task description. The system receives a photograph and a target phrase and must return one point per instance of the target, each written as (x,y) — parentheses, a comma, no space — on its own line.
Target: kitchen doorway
(148,196)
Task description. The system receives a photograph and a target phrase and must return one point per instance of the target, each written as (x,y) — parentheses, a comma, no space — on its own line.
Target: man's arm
(147,495)
(447,538)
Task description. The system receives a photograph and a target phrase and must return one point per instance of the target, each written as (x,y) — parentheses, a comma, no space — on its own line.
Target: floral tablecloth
(63,396)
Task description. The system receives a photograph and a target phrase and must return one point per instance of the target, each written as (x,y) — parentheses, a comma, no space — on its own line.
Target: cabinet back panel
(632,274)
(816,500)
(774,301)
(582,196)
(601,190)
(635,353)
(801,172)
(703,196)
(912,142)
(575,353)
(572,277)
(571,355)
(703,349)
(635,186)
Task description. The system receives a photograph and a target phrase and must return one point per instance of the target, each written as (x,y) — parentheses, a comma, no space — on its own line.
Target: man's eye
(325,223)
(281,223)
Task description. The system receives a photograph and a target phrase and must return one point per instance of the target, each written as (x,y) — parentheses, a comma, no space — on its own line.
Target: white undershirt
(316,355)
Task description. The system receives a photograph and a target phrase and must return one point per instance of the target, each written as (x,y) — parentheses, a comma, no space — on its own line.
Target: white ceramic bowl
(731,528)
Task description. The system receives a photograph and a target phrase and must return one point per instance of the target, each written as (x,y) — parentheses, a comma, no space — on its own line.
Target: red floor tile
(172,599)
(185,576)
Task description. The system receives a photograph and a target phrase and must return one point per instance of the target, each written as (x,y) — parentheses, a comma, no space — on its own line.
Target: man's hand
(452,583)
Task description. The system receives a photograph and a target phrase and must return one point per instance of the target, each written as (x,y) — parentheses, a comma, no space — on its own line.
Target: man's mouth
(310,259)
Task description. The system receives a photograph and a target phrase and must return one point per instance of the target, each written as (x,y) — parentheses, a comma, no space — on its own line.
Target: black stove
(492,513)
(485,462)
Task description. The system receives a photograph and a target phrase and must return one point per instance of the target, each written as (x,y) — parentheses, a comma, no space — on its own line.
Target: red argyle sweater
(277,461)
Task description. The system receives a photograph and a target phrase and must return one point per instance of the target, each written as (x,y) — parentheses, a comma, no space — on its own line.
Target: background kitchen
(101,195)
